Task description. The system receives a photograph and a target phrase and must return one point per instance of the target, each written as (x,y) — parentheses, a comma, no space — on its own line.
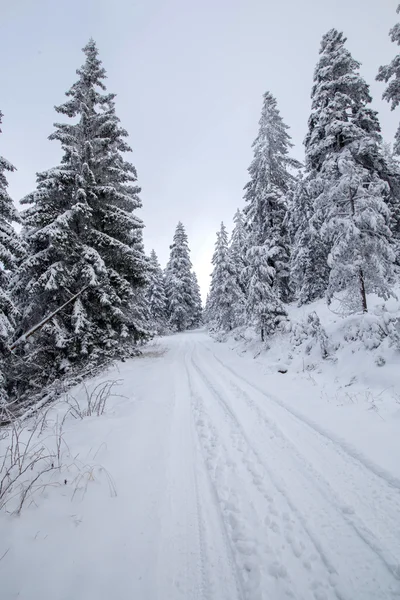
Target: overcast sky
(189,78)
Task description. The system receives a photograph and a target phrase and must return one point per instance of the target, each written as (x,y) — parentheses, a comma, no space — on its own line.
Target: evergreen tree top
(180,236)
(91,75)
(179,259)
(271,149)
(154,257)
(340,98)
(238,237)
(221,245)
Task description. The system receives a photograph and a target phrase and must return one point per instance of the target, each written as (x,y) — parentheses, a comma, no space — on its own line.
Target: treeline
(81,236)
(328,228)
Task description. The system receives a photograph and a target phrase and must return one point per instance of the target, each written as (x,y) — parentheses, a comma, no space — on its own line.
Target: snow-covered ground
(213,476)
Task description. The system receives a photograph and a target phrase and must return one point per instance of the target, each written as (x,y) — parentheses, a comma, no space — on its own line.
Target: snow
(233,481)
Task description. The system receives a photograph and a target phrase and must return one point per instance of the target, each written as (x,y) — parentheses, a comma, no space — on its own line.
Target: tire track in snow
(238,480)
(207,459)
(218,575)
(378,471)
(319,480)
(380,508)
(386,521)
(363,534)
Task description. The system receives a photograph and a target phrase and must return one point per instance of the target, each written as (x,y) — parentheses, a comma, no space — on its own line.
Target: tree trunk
(362,291)
(262,334)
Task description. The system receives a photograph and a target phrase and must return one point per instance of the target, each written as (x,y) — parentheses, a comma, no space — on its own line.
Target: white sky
(189,78)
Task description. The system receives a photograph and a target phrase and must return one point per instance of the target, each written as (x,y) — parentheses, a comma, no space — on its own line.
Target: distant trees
(156,297)
(181,287)
(226,303)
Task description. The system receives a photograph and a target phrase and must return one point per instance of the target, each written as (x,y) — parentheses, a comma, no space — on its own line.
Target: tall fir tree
(390,74)
(344,161)
(266,196)
(82,232)
(226,300)
(155,296)
(179,282)
(11,251)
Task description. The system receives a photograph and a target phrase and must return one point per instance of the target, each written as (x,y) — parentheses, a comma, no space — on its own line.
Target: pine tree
(10,251)
(197,310)
(342,158)
(266,193)
(82,232)
(179,282)
(391,74)
(238,247)
(225,302)
(155,296)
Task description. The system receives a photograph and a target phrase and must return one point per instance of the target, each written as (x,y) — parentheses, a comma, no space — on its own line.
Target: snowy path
(224,493)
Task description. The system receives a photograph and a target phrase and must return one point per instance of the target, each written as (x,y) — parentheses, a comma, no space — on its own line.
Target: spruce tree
(238,247)
(264,309)
(155,296)
(179,282)
(390,74)
(266,196)
(83,233)
(197,309)
(10,251)
(344,162)
(207,312)
(356,223)
(225,301)
(309,271)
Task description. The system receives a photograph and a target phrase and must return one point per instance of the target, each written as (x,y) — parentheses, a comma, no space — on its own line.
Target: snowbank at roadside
(343,373)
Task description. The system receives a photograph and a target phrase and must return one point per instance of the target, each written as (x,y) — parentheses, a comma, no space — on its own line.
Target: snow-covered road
(225,492)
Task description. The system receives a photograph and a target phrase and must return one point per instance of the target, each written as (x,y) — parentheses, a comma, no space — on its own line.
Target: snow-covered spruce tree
(155,296)
(10,251)
(309,271)
(265,195)
(342,157)
(356,224)
(179,282)
(390,74)
(207,310)
(264,309)
(225,302)
(197,310)
(238,247)
(82,232)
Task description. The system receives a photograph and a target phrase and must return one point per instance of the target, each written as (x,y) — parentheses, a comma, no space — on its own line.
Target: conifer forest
(182,419)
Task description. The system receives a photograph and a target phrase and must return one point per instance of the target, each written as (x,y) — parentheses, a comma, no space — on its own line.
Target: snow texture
(232,480)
